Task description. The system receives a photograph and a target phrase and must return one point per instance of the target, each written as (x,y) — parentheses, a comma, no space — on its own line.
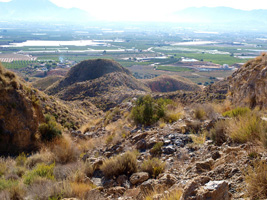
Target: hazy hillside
(39,10)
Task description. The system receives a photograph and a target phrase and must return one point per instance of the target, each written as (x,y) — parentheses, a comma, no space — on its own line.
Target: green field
(17,64)
(174,69)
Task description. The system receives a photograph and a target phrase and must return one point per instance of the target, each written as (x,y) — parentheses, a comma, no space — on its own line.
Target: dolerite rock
(215,155)
(214,190)
(139,177)
(148,186)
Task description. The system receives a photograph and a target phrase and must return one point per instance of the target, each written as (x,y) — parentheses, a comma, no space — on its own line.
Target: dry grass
(119,165)
(256,179)
(153,166)
(80,189)
(172,195)
(64,150)
(248,128)
(200,138)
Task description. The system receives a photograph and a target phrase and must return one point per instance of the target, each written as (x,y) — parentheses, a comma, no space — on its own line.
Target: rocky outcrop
(248,85)
(20,114)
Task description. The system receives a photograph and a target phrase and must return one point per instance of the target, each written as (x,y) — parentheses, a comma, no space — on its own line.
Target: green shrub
(119,165)
(41,170)
(3,168)
(153,166)
(156,149)
(148,111)
(239,111)
(21,159)
(50,129)
(7,184)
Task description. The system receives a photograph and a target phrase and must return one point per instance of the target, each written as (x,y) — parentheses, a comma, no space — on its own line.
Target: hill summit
(104,82)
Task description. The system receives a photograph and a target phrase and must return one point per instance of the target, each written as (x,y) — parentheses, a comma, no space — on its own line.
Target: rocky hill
(104,82)
(248,84)
(22,109)
(20,114)
(166,83)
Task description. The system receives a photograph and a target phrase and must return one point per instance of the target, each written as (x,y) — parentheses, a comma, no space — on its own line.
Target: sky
(149,9)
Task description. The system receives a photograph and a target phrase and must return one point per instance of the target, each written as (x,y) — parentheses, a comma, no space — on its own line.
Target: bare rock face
(20,114)
(248,85)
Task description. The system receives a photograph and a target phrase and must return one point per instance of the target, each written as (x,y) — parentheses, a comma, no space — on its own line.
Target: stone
(139,137)
(217,190)
(167,180)
(168,149)
(139,177)
(97,164)
(148,186)
(123,181)
(94,194)
(215,155)
(204,166)
(141,145)
(190,190)
(116,190)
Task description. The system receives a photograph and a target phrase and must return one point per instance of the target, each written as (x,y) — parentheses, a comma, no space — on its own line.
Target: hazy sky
(150,9)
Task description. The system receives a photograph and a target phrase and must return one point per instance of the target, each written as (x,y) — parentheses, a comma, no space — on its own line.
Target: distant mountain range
(44,10)
(220,15)
(39,10)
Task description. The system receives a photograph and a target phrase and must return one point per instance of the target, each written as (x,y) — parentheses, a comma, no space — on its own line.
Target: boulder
(139,177)
(214,190)
(116,190)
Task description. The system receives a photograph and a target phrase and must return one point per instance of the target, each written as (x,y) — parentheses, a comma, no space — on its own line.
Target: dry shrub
(63,172)
(46,189)
(218,132)
(64,150)
(156,149)
(199,138)
(119,165)
(248,128)
(236,112)
(44,156)
(80,189)
(153,166)
(256,179)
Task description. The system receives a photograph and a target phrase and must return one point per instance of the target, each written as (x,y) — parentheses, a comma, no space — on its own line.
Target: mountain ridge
(40,10)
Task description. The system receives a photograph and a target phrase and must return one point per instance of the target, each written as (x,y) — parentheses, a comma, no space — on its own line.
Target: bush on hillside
(239,111)
(50,129)
(119,165)
(153,167)
(148,111)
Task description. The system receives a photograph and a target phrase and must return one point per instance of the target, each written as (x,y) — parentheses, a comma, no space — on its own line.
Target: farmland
(146,51)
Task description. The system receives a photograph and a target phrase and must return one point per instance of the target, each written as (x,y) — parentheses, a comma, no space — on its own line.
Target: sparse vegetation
(256,179)
(147,110)
(153,166)
(239,111)
(49,130)
(119,165)
(156,149)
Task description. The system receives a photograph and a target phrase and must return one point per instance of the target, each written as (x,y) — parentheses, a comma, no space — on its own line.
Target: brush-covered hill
(23,108)
(166,83)
(104,82)
(248,85)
